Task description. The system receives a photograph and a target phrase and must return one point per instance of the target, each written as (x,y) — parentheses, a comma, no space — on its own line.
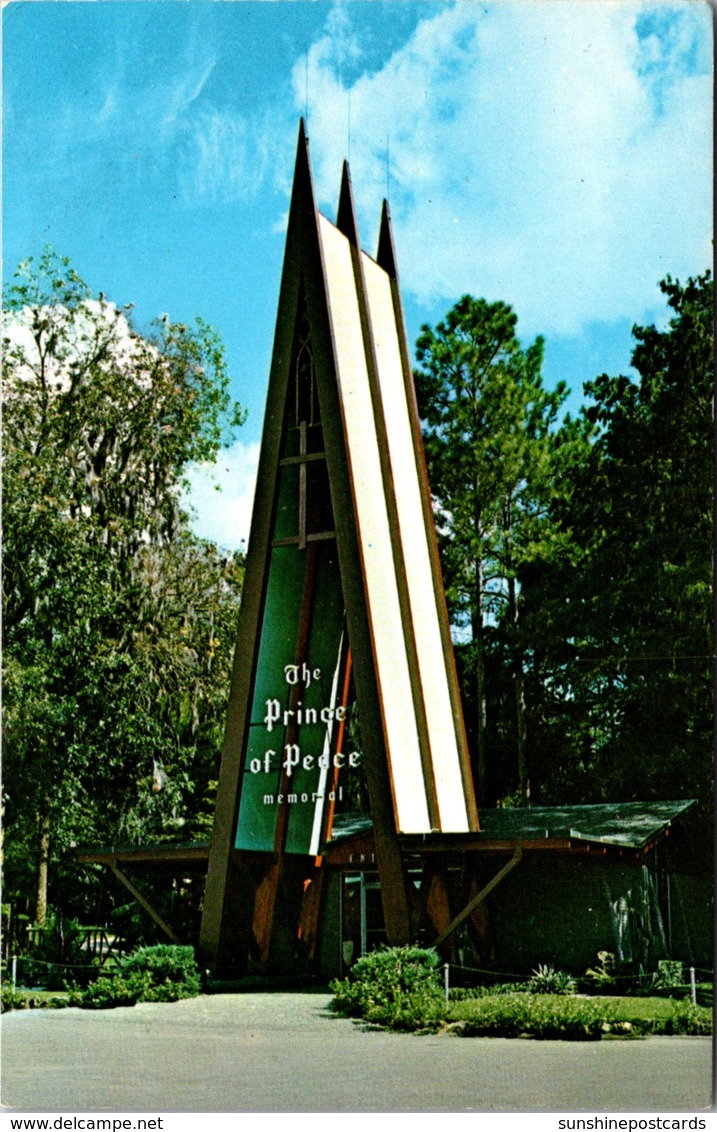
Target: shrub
(397,987)
(153,974)
(172,971)
(546,980)
(669,973)
(116,990)
(400,988)
(417,1011)
(11,1000)
(606,968)
(685,1018)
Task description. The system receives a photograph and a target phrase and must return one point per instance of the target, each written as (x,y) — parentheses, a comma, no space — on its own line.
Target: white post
(446,982)
(693,988)
(14,973)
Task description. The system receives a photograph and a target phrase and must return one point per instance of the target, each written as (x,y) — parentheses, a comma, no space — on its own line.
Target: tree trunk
(523,781)
(519,684)
(41,908)
(481,710)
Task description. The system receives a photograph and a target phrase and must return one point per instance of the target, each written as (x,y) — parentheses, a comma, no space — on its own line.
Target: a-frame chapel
(346,813)
(344,686)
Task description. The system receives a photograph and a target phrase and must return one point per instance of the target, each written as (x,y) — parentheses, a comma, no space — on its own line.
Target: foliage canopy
(118,622)
(577,555)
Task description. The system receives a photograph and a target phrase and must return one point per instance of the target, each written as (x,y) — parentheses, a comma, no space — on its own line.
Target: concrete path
(286,1052)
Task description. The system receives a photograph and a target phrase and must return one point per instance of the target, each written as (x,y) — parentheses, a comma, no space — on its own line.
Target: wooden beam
(141,899)
(484,892)
(178,856)
(211,938)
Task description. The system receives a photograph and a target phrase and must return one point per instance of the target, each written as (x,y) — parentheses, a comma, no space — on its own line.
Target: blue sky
(554,154)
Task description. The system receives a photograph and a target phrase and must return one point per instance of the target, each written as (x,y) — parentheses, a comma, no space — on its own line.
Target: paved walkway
(285,1052)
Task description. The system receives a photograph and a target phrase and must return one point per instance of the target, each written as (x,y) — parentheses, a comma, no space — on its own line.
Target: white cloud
(211,150)
(224,515)
(186,91)
(222,157)
(553,154)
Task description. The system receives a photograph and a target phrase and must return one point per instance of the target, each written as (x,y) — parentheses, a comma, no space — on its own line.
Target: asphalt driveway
(286,1052)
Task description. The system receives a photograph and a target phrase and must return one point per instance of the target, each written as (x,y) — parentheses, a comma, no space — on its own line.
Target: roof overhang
(177,856)
(610,827)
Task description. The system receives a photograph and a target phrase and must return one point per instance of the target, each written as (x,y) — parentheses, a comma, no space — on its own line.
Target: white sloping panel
(414,540)
(374,536)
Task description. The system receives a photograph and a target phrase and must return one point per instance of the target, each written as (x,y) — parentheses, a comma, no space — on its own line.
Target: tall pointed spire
(303,187)
(302,146)
(386,253)
(346,215)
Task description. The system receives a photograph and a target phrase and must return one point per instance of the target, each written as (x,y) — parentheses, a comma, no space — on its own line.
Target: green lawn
(575,1017)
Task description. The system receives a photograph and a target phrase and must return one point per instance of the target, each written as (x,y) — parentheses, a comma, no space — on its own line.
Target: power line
(388,164)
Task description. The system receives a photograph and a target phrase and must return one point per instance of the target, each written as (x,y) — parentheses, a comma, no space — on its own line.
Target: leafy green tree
(117,622)
(630,644)
(490,437)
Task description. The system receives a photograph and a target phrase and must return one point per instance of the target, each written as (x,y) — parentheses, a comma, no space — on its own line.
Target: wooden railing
(97,943)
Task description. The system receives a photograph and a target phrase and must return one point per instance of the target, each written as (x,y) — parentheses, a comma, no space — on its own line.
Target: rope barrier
(493,975)
(56,963)
(486,971)
(497,976)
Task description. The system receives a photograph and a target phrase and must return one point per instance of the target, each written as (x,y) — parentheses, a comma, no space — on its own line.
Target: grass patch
(655,1015)
(528,1015)
(575,1018)
(24,999)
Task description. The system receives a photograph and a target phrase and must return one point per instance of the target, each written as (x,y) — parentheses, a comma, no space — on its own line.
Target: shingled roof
(626,825)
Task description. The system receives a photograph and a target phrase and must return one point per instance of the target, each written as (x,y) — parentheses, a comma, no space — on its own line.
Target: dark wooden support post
(309,917)
(484,892)
(434,894)
(141,899)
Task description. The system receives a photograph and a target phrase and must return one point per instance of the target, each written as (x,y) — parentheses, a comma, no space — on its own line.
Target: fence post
(446,982)
(14,973)
(693,987)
